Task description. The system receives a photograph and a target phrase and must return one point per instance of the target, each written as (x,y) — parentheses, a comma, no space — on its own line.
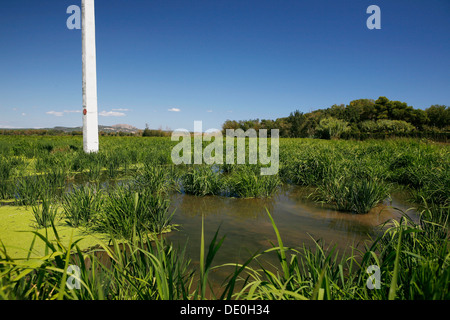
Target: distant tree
(419,118)
(360,110)
(230,124)
(386,126)
(381,107)
(296,121)
(336,111)
(147,131)
(331,128)
(284,126)
(359,117)
(438,116)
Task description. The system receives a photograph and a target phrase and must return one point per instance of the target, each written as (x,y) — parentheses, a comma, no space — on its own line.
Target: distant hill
(114,128)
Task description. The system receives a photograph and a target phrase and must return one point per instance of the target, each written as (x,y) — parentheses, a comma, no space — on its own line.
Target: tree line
(362,118)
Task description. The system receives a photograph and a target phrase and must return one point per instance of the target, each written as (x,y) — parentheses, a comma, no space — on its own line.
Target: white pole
(90,115)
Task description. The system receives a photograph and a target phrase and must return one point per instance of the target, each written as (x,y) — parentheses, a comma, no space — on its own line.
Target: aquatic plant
(45,212)
(352,194)
(155,179)
(412,259)
(202,180)
(127,212)
(28,189)
(247,182)
(82,204)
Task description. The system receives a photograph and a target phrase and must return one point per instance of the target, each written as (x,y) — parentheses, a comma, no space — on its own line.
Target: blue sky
(168,63)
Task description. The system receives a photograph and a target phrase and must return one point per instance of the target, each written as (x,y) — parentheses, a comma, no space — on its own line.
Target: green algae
(17,225)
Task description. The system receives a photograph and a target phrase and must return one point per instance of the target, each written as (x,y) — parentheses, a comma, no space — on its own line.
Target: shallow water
(247,227)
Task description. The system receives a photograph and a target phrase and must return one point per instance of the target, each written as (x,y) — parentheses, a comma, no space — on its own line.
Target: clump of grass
(202,180)
(28,189)
(154,179)
(147,270)
(44,213)
(351,194)
(82,204)
(247,182)
(128,213)
(6,172)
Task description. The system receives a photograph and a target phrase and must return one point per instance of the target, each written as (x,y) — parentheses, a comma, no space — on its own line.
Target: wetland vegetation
(124,195)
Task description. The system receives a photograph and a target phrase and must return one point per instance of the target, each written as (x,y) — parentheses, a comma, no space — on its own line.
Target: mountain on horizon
(113,128)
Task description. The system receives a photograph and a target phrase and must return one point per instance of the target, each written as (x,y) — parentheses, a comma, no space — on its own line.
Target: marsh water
(247,227)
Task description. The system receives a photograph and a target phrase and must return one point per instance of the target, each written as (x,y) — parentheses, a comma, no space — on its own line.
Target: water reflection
(247,227)
(192,206)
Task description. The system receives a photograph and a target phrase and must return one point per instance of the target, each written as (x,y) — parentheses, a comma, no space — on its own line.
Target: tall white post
(90,114)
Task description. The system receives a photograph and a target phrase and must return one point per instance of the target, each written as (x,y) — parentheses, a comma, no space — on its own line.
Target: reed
(128,212)
(28,189)
(413,257)
(352,194)
(413,260)
(45,213)
(246,182)
(82,205)
(155,179)
(202,180)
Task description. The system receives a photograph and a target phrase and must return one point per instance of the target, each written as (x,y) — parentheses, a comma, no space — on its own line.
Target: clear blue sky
(213,60)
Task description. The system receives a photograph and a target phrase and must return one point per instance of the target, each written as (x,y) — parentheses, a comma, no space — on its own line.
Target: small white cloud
(54,113)
(24,114)
(120,109)
(174,110)
(209,111)
(72,111)
(111,114)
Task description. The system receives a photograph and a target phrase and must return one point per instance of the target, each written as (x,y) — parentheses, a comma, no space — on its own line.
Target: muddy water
(247,227)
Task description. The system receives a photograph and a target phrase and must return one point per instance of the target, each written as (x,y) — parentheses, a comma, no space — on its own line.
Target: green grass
(352,176)
(246,182)
(413,261)
(128,212)
(352,194)
(202,180)
(82,204)
(45,213)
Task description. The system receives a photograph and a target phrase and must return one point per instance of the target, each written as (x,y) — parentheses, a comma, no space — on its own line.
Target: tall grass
(202,180)
(28,189)
(352,194)
(128,212)
(413,259)
(45,213)
(155,179)
(82,205)
(246,182)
